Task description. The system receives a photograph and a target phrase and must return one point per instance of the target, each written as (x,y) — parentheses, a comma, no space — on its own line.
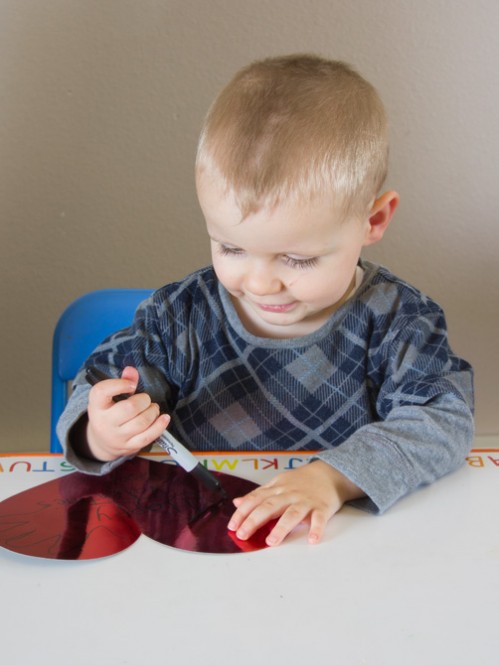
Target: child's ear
(380,216)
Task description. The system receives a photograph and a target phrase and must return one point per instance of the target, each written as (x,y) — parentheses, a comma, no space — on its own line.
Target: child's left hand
(314,492)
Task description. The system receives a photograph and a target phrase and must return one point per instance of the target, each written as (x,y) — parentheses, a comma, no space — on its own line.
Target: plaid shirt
(369,388)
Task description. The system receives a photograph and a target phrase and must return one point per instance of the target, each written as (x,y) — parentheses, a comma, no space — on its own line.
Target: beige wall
(101,102)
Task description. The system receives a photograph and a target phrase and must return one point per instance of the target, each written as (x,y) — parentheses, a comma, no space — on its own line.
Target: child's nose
(262,280)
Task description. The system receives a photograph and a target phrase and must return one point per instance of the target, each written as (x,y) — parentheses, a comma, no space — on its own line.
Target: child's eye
(224,250)
(300,263)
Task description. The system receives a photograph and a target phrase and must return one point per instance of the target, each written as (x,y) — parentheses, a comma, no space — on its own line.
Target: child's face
(287,268)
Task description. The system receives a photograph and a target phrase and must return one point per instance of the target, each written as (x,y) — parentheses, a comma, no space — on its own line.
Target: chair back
(81,327)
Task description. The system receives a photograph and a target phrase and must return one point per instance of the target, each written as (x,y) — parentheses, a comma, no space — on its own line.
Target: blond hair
(296,127)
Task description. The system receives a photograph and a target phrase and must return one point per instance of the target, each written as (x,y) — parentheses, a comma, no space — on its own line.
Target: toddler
(289,340)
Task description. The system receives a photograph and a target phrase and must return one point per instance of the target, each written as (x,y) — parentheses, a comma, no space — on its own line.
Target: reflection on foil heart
(87,517)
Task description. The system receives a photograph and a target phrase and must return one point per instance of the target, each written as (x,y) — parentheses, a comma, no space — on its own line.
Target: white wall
(101,103)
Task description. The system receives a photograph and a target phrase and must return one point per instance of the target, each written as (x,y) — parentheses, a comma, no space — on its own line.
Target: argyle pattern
(228,390)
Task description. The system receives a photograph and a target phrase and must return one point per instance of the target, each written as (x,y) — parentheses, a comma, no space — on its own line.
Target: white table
(417,585)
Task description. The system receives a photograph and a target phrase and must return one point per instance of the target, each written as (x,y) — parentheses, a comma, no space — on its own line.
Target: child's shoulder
(196,285)
(195,293)
(387,294)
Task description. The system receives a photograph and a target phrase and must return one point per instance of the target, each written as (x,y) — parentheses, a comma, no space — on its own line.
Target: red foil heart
(80,516)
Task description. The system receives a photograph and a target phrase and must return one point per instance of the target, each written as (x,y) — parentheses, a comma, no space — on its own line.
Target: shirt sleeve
(424,406)
(142,346)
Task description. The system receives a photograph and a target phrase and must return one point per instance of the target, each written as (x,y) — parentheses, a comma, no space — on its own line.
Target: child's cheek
(226,275)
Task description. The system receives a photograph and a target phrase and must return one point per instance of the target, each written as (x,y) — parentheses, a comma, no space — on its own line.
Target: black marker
(169,443)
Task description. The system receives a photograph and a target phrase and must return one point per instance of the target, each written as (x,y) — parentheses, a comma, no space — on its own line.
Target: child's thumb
(130,374)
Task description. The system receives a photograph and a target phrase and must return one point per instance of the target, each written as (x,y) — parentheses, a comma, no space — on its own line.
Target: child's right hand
(117,429)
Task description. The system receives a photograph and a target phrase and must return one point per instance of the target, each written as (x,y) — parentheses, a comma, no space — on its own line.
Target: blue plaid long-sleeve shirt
(377,389)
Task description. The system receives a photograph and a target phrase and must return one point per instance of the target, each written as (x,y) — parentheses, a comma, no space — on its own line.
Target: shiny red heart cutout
(80,516)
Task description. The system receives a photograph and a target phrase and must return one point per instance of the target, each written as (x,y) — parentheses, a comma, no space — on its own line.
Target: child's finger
(129,409)
(103,394)
(256,510)
(131,374)
(290,519)
(149,435)
(244,506)
(318,522)
(138,416)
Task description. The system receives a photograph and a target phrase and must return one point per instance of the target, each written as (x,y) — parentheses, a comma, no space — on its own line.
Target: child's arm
(83,426)
(120,429)
(425,430)
(413,447)
(314,493)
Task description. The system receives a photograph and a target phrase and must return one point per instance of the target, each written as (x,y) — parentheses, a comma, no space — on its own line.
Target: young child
(290,341)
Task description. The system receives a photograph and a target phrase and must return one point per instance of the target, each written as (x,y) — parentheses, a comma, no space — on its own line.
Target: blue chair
(81,327)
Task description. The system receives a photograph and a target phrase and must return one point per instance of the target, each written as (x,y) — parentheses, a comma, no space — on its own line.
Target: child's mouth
(277,309)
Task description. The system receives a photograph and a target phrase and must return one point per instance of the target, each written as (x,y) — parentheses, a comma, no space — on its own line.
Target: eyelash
(301,264)
(229,251)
